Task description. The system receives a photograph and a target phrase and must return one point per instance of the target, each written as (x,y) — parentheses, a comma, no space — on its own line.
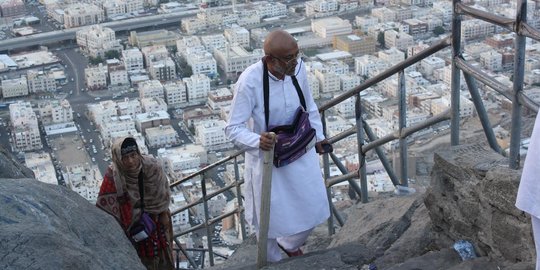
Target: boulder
(11,168)
(471,197)
(50,227)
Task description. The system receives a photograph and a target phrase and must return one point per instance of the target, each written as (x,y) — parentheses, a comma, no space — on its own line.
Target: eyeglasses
(297,57)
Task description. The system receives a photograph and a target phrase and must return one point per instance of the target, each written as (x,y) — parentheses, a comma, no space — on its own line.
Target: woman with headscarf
(119,196)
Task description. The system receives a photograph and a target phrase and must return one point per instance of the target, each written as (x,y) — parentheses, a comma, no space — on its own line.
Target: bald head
(279,41)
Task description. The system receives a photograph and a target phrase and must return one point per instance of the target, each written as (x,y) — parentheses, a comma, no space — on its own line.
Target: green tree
(438,30)
(380,39)
(95,60)
(112,54)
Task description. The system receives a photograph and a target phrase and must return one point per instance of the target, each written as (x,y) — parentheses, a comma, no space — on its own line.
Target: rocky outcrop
(11,168)
(471,197)
(45,226)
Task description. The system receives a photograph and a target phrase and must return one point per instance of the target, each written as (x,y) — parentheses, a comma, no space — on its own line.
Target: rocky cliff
(45,226)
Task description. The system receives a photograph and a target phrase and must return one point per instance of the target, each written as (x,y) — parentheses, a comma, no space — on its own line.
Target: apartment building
(428,65)
(202,63)
(384,14)
(219,98)
(271,9)
(328,80)
(96,40)
(399,40)
(153,104)
(175,93)
(212,42)
(349,81)
(39,81)
(17,87)
(392,56)
(144,121)
(25,133)
(354,44)
(491,60)
(81,14)
(314,85)
(162,70)
(162,136)
(234,59)
(416,27)
(12,8)
(237,35)
(330,27)
(96,77)
(474,28)
(102,111)
(151,89)
(193,25)
(156,37)
(129,107)
(133,59)
(115,125)
(211,133)
(197,87)
(55,111)
(154,53)
(320,8)
(118,75)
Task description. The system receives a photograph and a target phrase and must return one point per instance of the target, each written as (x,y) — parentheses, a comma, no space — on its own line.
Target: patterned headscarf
(156,187)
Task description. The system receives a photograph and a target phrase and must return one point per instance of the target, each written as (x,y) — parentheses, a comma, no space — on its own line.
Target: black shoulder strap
(266,89)
(141,189)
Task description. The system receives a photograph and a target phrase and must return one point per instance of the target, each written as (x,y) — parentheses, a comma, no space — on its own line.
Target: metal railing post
(455,85)
(360,140)
(206,218)
(239,199)
(264,218)
(402,125)
(326,170)
(519,69)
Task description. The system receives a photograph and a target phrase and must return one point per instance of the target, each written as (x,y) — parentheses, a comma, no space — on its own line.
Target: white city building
(319,8)
(154,53)
(175,93)
(129,107)
(25,133)
(162,70)
(211,133)
(399,40)
(81,14)
(328,80)
(184,158)
(349,81)
(212,42)
(314,85)
(197,87)
(42,166)
(150,89)
(236,59)
(271,9)
(17,87)
(55,111)
(392,56)
(39,81)
(491,60)
(202,63)
(133,59)
(219,98)
(102,111)
(118,75)
(332,26)
(237,35)
(162,136)
(144,121)
(96,77)
(116,124)
(153,104)
(97,40)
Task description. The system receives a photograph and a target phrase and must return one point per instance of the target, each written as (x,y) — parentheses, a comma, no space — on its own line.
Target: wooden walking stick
(264,218)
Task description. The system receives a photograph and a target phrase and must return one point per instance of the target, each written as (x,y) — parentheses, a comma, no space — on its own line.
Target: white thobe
(298,199)
(528,197)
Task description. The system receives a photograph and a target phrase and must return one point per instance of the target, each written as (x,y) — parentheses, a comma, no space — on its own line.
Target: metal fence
(365,138)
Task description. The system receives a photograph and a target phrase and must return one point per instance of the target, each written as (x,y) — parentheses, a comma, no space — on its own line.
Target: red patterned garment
(121,208)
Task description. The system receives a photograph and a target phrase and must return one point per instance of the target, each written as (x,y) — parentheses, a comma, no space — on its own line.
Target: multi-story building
(17,87)
(328,80)
(271,9)
(154,53)
(162,136)
(248,18)
(236,59)
(365,22)
(197,87)
(178,160)
(102,111)
(133,59)
(349,81)
(428,65)
(211,133)
(25,134)
(369,64)
(153,105)
(332,26)
(212,42)
(202,63)
(237,35)
(320,8)
(96,40)
(115,125)
(156,37)
(144,121)
(347,108)
(82,14)
(399,40)
(499,41)
(39,81)
(83,179)
(196,115)
(129,107)
(162,70)
(474,28)
(175,93)
(96,77)
(42,166)
(355,45)
(491,60)
(113,8)
(384,14)
(192,25)
(118,75)
(392,56)
(151,89)
(314,85)
(12,8)
(219,98)
(416,27)
(55,111)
